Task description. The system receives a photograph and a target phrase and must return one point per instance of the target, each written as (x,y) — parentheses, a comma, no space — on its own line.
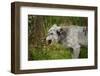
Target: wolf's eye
(51,33)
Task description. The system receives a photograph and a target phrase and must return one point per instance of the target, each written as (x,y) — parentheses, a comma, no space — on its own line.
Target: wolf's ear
(55,25)
(63,32)
(60,31)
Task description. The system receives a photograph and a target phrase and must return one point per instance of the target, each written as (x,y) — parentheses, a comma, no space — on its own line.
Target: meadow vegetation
(38,27)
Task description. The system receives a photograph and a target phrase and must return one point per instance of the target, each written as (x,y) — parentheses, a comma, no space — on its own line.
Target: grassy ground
(55,51)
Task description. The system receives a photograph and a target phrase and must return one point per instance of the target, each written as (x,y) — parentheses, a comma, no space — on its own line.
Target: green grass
(55,51)
(83,53)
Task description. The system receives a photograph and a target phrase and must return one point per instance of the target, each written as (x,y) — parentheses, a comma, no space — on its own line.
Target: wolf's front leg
(76,52)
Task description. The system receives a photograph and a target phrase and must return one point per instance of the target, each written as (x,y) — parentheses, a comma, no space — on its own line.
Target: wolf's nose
(49,41)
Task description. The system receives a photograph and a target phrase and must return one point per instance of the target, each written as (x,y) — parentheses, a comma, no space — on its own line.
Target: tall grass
(55,51)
